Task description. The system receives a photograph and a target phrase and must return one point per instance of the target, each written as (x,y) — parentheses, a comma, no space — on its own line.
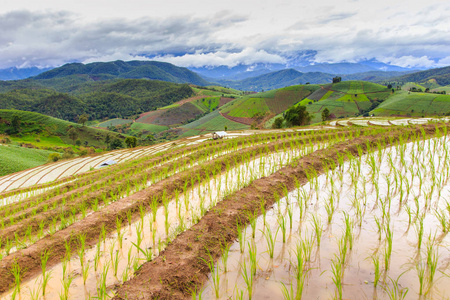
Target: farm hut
(219,135)
(107,163)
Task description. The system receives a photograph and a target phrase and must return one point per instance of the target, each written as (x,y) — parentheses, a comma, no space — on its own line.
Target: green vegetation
(113,98)
(268,103)
(441,76)
(15,158)
(47,132)
(357,87)
(213,122)
(404,103)
(113,122)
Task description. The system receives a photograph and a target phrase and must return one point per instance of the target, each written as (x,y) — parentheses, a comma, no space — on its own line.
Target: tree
(116,144)
(131,141)
(278,123)
(15,123)
(78,142)
(73,133)
(83,119)
(337,79)
(325,114)
(297,116)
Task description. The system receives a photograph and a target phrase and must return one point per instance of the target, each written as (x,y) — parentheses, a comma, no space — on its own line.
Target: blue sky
(197,33)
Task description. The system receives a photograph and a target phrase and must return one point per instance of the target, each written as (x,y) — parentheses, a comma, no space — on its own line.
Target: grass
(403,103)
(37,126)
(15,159)
(114,122)
(147,128)
(214,122)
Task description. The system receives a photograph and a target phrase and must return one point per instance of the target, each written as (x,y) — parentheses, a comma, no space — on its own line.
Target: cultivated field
(321,212)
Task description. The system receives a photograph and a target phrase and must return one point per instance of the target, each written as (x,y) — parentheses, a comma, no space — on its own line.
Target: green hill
(15,158)
(345,99)
(268,103)
(440,75)
(106,99)
(278,79)
(47,132)
(131,69)
(404,103)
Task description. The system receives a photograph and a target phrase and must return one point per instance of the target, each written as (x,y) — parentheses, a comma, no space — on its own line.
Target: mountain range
(243,71)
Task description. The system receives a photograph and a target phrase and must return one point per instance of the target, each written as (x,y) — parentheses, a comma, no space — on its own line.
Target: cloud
(49,39)
(247,56)
(390,32)
(409,61)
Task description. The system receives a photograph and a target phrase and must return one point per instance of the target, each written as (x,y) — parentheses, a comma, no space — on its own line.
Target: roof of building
(108,163)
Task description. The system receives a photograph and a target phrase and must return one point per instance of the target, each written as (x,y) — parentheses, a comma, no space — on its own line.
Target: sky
(198,33)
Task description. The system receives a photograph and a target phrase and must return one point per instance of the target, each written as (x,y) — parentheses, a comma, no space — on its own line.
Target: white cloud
(409,61)
(247,56)
(403,32)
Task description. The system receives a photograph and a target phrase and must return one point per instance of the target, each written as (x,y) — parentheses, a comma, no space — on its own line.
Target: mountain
(238,72)
(66,99)
(129,70)
(278,79)
(338,68)
(440,75)
(16,73)
(302,64)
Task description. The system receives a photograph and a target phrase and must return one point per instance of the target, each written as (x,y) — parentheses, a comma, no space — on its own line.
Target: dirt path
(180,268)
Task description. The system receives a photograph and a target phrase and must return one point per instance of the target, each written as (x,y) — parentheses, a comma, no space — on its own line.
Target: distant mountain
(238,72)
(278,79)
(374,76)
(16,73)
(127,70)
(440,75)
(244,71)
(338,68)
(288,77)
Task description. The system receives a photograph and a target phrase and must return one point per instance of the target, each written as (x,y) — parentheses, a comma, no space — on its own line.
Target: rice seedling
(214,272)
(377,273)
(270,239)
(241,236)
(45,274)
(282,224)
(337,270)
(17,272)
(252,257)
(317,228)
(225,252)
(248,278)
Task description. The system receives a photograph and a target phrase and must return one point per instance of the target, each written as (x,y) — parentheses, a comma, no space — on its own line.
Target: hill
(440,75)
(289,77)
(278,79)
(105,99)
(345,99)
(130,70)
(15,158)
(407,104)
(205,101)
(41,131)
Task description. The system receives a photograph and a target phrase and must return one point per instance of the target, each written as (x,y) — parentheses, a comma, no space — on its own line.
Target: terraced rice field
(316,212)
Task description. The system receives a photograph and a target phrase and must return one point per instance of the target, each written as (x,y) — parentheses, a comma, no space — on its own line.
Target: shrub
(54,157)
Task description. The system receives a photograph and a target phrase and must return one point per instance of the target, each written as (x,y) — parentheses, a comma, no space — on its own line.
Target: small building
(107,163)
(219,135)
